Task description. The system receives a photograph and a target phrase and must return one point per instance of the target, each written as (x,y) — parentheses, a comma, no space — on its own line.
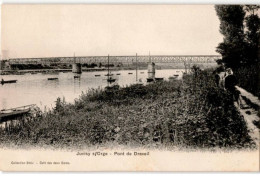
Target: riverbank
(188,113)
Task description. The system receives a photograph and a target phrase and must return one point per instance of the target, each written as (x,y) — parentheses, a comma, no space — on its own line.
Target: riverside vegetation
(188,113)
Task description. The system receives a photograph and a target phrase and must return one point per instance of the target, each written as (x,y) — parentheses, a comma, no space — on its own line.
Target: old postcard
(129,87)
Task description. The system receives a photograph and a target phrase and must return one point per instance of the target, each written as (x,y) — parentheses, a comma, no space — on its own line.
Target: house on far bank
(4,65)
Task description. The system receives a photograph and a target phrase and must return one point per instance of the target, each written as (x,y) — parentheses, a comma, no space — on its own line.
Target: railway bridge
(187,60)
(118,59)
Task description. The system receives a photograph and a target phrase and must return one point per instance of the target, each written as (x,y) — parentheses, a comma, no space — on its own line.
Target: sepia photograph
(98,87)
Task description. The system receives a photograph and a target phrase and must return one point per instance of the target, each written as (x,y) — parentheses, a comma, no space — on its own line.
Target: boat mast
(108,65)
(150,57)
(108,69)
(136,67)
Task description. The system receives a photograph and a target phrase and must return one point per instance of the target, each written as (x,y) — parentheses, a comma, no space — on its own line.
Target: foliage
(252,38)
(240,45)
(231,26)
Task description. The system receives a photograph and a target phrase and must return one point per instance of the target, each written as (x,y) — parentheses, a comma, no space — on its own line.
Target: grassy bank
(192,113)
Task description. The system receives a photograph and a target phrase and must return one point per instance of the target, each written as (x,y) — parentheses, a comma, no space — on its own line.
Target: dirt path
(249,96)
(250,114)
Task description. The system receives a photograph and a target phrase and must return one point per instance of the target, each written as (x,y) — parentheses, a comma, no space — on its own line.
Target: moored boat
(109,75)
(8,114)
(149,79)
(53,78)
(8,81)
(159,79)
(110,80)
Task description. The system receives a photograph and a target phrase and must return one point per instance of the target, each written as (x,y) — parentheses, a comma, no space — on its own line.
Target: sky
(96,30)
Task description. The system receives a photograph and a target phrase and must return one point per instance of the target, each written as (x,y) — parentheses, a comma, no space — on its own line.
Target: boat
(110,79)
(149,79)
(172,77)
(8,81)
(53,78)
(176,75)
(76,77)
(159,79)
(97,75)
(9,114)
(130,73)
(138,82)
(118,74)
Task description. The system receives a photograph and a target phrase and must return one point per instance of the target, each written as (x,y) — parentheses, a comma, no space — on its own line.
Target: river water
(37,89)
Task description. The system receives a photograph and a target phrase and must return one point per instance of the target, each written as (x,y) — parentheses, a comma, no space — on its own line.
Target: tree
(252,22)
(232,48)
(240,26)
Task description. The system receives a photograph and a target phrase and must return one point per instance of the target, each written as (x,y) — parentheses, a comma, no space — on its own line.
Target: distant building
(4,65)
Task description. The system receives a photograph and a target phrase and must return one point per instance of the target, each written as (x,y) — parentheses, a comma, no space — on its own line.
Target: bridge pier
(76,68)
(151,70)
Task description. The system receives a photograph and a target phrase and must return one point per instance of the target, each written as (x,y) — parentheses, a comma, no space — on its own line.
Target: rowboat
(159,79)
(110,80)
(53,78)
(149,79)
(8,114)
(8,81)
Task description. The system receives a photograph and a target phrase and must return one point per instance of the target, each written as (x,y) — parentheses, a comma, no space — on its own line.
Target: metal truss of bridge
(119,59)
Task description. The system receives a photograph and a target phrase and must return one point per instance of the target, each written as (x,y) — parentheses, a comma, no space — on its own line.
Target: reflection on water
(37,89)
